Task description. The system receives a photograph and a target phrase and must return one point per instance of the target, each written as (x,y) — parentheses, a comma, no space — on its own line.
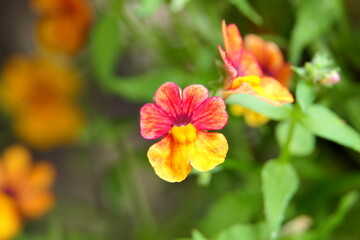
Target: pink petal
(154,122)
(228,63)
(193,96)
(168,98)
(210,115)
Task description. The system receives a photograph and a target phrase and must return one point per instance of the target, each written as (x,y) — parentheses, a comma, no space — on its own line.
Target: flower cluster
(255,67)
(63,25)
(184,118)
(24,189)
(245,73)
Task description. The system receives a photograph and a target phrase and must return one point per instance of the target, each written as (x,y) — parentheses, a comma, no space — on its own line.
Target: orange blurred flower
(183,118)
(269,58)
(63,25)
(24,189)
(41,97)
(246,76)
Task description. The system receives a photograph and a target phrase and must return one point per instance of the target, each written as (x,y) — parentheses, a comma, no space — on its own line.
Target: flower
(246,76)
(41,95)
(183,119)
(269,58)
(24,189)
(63,25)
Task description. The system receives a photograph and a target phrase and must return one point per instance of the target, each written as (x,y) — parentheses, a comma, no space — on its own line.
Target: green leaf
(238,231)
(148,7)
(313,19)
(196,235)
(140,88)
(305,94)
(302,141)
(322,122)
(105,44)
(257,105)
(279,183)
(178,5)
(230,205)
(245,8)
(352,110)
(329,224)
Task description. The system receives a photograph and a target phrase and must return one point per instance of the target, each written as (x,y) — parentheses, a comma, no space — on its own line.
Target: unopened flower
(40,95)
(245,74)
(184,118)
(331,78)
(24,189)
(63,24)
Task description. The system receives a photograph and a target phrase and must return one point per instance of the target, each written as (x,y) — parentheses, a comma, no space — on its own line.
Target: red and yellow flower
(63,25)
(245,74)
(184,118)
(24,189)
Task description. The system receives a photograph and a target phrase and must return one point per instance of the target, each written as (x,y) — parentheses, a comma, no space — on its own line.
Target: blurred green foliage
(134,47)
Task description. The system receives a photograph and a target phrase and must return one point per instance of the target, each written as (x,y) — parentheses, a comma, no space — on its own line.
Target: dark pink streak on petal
(231,68)
(154,122)
(193,96)
(210,115)
(167,97)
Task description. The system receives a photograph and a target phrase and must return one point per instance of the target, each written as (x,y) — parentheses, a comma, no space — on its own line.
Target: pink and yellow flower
(184,118)
(246,76)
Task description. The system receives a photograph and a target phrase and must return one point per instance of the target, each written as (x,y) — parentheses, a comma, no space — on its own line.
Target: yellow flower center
(184,134)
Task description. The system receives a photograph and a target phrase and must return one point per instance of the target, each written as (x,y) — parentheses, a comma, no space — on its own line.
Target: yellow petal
(251,79)
(169,159)
(184,147)
(254,119)
(237,110)
(207,151)
(10,224)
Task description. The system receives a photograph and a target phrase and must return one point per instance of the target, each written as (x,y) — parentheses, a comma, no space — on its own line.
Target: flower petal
(154,122)
(269,90)
(41,176)
(284,74)
(210,115)
(193,96)
(168,98)
(10,223)
(228,64)
(16,162)
(34,204)
(169,159)
(232,41)
(256,45)
(248,65)
(208,150)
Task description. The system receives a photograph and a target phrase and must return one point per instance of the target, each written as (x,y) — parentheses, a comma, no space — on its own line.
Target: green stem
(285,154)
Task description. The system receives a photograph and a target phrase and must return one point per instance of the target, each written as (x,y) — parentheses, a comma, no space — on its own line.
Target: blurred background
(74,74)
